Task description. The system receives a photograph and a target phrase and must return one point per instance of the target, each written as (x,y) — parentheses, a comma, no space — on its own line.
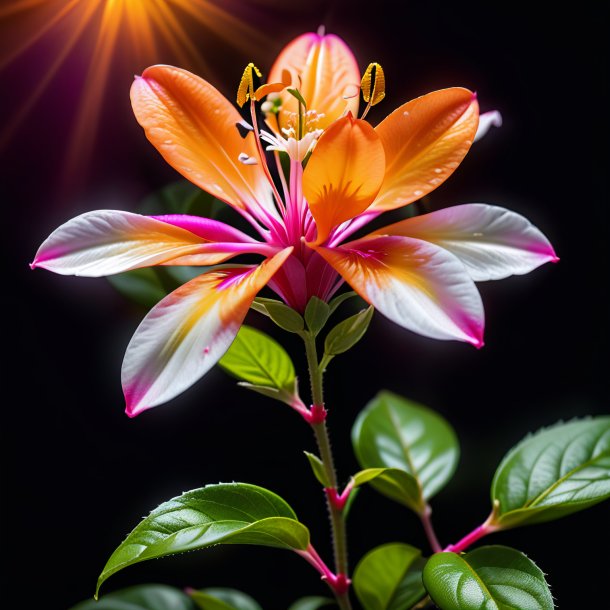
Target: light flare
(104,34)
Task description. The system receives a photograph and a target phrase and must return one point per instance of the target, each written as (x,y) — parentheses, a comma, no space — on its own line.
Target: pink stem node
(339,583)
(316,415)
(339,500)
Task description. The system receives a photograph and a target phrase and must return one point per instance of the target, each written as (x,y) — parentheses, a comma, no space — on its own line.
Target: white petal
(185,334)
(487,120)
(105,242)
(492,242)
(413,283)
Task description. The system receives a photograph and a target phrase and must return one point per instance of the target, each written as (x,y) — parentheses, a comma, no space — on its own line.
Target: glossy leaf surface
(259,360)
(393,483)
(555,472)
(390,577)
(393,432)
(489,578)
(227,513)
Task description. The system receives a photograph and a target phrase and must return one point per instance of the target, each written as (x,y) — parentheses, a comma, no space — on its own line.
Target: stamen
(245,91)
(372,86)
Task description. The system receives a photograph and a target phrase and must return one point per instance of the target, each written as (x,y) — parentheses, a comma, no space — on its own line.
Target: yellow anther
(245,90)
(373,84)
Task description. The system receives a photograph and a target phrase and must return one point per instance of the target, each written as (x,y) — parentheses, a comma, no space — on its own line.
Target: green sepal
(491,577)
(393,432)
(227,513)
(140,597)
(318,469)
(339,300)
(317,313)
(223,599)
(395,484)
(390,577)
(259,360)
(552,473)
(348,332)
(285,317)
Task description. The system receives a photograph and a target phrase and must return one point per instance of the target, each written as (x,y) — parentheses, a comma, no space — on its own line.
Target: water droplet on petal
(418,193)
(437,170)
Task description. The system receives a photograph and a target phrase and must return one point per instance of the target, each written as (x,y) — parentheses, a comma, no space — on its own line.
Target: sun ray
(108,35)
(18,7)
(34,38)
(87,118)
(240,34)
(42,85)
(167,35)
(180,34)
(141,31)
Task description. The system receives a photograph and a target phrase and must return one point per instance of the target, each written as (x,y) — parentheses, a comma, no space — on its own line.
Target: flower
(419,272)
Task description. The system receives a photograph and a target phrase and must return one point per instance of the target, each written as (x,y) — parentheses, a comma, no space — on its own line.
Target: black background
(81,474)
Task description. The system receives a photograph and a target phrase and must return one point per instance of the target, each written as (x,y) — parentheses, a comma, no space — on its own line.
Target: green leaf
(491,577)
(260,360)
(334,303)
(142,597)
(142,286)
(316,314)
(393,483)
(390,577)
(318,469)
(285,317)
(555,472)
(223,599)
(182,197)
(281,395)
(393,432)
(227,513)
(347,333)
(312,603)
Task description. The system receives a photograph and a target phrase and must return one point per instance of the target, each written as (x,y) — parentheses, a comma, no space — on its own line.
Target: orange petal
(263,90)
(326,68)
(343,174)
(424,141)
(194,127)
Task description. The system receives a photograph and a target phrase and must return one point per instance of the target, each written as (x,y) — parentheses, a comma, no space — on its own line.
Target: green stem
(337,520)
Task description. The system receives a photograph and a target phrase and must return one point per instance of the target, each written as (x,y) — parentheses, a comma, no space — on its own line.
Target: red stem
(426,520)
(471,538)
